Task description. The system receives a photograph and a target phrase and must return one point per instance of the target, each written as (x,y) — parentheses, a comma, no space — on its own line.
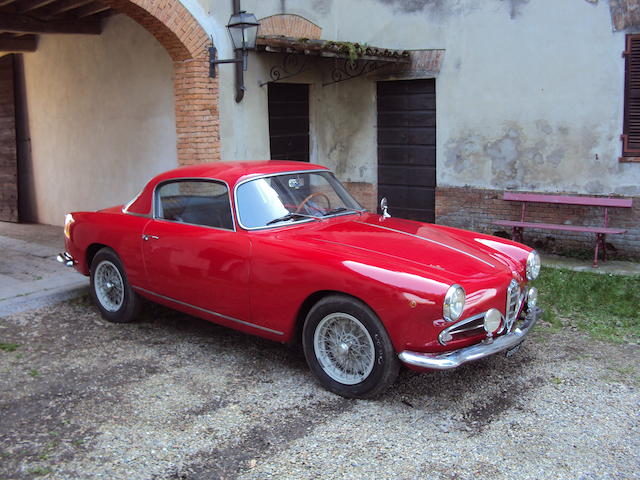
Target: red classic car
(282,250)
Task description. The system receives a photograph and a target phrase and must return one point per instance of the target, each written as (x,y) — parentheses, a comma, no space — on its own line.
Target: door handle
(149,237)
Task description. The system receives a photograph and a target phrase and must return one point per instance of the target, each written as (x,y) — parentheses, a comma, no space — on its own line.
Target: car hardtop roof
(233,172)
(230,172)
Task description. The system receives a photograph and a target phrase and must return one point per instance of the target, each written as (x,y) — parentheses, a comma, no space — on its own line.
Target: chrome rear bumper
(66,259)
(449,360)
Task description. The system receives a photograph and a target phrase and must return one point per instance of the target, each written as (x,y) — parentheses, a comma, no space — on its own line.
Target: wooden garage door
(8,152)
(289,121)
(407,147)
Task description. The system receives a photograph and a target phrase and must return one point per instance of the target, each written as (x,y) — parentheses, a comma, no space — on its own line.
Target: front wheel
(110,289)
(348,349)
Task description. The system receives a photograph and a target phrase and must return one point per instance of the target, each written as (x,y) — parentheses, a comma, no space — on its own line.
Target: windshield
(292,197)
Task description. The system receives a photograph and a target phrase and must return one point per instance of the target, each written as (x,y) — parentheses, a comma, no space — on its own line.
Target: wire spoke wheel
(109,286)
(344,348)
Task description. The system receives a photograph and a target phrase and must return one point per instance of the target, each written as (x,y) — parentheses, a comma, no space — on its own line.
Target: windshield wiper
(289,216)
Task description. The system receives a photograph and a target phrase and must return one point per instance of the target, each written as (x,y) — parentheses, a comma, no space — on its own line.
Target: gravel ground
(173,397)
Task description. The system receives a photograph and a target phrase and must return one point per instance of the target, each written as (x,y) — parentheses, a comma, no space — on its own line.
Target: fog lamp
(532,297)
(492,320)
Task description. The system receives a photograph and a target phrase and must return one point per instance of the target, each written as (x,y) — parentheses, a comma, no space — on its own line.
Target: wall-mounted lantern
(243,29)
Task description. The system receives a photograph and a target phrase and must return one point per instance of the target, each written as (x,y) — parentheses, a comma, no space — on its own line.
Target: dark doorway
(407,147)
(289,121)
(8,150)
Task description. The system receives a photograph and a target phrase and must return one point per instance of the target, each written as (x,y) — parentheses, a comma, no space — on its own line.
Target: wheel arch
(91,252)
(307,305)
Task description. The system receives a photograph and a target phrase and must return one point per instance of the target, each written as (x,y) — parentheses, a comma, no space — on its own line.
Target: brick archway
(196,95)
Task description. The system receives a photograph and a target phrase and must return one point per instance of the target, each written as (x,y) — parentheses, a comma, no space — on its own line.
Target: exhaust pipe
(66,259)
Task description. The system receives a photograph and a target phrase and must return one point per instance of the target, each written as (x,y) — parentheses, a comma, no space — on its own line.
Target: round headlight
(533,265)
(453,303)
(492,320)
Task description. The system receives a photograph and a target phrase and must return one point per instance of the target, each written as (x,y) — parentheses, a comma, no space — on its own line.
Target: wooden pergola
(21,21)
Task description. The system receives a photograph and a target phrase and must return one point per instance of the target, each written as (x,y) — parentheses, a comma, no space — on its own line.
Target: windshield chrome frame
(280,225)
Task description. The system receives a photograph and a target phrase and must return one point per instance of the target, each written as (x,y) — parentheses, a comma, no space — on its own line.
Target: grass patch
(604,306)
(8,347)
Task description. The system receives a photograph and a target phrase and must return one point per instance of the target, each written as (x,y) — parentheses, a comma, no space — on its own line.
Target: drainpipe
(240,88)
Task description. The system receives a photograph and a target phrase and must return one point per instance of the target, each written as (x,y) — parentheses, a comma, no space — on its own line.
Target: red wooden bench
(601,232)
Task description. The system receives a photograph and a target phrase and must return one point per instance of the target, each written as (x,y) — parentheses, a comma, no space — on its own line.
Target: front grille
(467,328)
(515,297)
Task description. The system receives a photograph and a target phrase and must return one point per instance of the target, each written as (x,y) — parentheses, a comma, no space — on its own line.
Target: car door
(191,251)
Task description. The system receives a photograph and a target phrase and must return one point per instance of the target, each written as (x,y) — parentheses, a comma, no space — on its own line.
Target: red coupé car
(282,250)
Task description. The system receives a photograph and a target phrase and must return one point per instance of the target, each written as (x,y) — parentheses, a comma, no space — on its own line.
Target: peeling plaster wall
(99,108)
(529,97)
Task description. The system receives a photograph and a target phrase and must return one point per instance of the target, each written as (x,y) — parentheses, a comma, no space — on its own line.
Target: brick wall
(289,25)
(196,95)
(475,209)
(8,161)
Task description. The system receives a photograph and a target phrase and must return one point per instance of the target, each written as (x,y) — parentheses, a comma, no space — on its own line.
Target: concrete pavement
(30,276)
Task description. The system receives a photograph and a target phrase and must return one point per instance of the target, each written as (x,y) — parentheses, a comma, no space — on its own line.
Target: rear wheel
(110,289)
(348,349)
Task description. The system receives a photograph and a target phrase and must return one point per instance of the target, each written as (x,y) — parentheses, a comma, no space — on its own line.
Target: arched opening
(108,100)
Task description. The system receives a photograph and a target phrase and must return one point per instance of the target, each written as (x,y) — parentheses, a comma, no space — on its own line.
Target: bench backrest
(568,200)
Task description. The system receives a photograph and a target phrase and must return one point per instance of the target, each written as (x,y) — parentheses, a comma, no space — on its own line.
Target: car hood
(446,252)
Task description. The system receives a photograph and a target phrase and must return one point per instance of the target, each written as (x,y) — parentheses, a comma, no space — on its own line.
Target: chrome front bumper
(449,360)
(65,259)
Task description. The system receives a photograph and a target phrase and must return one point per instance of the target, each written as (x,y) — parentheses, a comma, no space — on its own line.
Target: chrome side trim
(432,241)
(449,360)
(210,312)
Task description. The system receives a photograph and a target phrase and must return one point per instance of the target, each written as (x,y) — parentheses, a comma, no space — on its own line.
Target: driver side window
(194,202)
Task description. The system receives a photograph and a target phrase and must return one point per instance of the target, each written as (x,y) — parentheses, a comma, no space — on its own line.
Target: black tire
(371,380)
(126,305)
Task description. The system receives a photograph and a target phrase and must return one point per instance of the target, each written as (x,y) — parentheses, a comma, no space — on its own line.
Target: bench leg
(516,234)
(600,238)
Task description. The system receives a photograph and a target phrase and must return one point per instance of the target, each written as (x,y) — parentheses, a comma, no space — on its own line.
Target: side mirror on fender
(384,208)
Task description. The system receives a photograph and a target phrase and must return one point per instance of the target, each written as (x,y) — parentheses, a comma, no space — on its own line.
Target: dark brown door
(8,152)
(407,147)
(289,121)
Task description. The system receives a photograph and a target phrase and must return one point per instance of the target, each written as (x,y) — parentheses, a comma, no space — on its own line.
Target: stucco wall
(101,119)
(529,95)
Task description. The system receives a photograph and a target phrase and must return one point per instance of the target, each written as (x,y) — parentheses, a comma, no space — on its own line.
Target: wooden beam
(91,9)
(25,43)
(62,6)
(26,5)
(24,24)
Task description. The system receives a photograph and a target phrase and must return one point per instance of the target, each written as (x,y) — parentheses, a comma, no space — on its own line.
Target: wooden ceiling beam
(23,24)
(27,5)
(91,9)
(25,43)
(62,6)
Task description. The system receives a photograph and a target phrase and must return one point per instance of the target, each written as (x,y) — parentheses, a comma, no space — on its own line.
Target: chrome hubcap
(109,286)
(344,348)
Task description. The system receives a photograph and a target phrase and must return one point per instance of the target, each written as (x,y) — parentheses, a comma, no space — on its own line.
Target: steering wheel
(309,197)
